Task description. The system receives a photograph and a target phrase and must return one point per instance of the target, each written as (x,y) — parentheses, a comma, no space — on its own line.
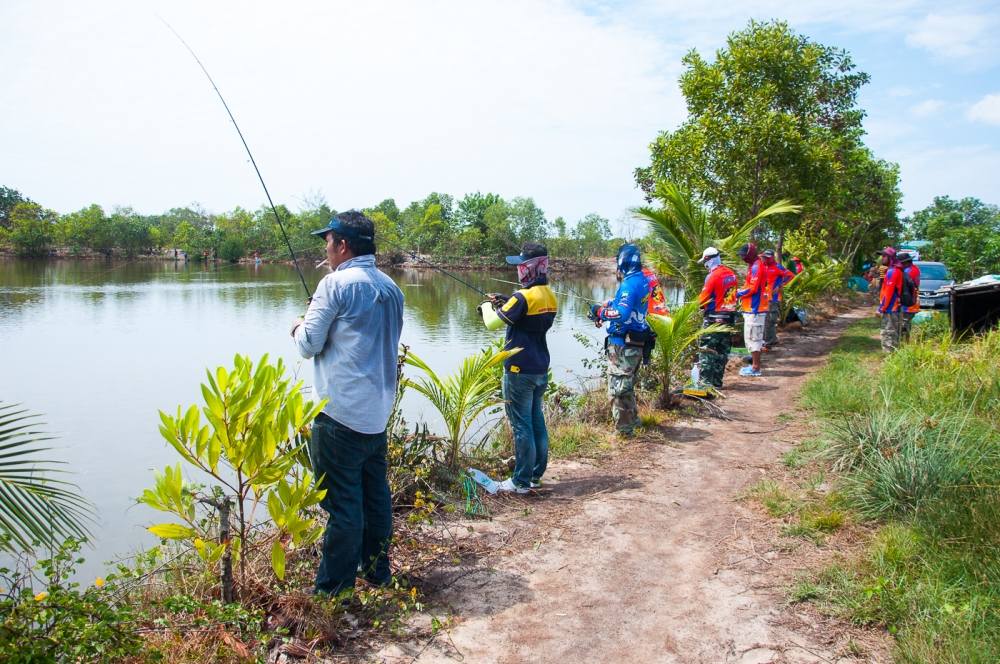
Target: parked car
(933,276)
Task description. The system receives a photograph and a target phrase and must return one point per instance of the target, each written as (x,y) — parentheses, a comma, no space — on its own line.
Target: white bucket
(489,315)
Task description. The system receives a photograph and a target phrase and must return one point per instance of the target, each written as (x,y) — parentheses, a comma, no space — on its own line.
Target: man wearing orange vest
(657,300)
(755,298)
(913,272)
(889,304)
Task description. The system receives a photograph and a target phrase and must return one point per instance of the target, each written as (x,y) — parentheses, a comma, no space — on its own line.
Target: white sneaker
(535,485)
(508,486)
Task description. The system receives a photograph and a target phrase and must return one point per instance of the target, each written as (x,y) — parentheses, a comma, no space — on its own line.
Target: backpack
(909,294)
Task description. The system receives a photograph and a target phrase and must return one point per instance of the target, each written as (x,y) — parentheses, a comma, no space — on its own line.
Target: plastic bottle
(695,374)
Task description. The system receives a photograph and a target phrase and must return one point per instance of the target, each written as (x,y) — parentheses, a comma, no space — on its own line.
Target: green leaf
(172,531)
(33,506)
(278,559)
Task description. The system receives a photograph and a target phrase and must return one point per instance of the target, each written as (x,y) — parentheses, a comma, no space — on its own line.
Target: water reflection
(99,347)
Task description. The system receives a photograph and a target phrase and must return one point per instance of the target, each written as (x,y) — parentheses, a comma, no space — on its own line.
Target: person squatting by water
(779,275)
(755,297)
(889,300)
(628,338)
(351,331)
(528,313)
(718,302)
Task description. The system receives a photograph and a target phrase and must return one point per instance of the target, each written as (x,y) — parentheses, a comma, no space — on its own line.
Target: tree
(32,229)
(591,235)
(774,116)
(964,234)
(527,220)
(471,212)
(9,198)
(130,232)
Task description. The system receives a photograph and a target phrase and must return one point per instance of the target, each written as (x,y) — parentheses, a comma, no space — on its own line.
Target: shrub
(63,622)
(232,249)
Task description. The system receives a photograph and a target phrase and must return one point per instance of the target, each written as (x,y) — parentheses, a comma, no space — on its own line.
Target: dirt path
(650,557)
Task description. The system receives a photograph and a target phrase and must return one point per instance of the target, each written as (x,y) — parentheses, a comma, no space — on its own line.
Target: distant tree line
(964,235)
(476,225)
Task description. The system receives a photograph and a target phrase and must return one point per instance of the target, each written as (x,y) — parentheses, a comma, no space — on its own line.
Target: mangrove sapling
(676,339)
(463,396)
(253,447)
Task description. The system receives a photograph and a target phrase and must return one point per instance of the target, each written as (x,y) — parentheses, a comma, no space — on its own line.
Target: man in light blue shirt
(351,331)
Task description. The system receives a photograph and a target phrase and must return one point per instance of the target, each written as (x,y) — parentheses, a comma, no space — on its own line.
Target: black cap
(904,257)
(529,250)
(767,253)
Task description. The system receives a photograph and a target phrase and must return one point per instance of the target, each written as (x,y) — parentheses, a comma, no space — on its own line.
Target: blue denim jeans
(358,501)
(523,394)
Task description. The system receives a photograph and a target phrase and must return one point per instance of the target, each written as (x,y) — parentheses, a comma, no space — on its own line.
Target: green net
(473,504)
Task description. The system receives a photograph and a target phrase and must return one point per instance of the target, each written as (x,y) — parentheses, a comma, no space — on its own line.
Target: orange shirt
(755,296)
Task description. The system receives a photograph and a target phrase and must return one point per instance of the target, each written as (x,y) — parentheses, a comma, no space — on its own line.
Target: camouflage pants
(906,324)
(712,357)
(771,323)
(623,370)
(891,326)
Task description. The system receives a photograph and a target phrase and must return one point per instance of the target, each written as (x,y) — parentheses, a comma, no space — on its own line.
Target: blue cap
(340,229)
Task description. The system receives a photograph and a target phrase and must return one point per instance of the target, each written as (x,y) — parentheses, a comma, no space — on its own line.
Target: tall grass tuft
(916,438)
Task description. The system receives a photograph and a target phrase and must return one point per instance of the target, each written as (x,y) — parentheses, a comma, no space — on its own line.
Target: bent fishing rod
(253,161)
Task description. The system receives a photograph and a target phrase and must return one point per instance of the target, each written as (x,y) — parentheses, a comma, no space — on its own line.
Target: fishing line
(253,161)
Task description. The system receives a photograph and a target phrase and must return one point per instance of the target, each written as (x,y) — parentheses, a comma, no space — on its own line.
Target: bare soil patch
(649,555)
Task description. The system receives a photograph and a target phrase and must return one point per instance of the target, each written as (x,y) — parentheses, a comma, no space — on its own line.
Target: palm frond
(34,506)
(677,339)
(464,395)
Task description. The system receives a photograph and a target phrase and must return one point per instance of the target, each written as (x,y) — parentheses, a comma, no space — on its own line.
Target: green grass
(773,497)
(568,439)
(914,438)
(804,453)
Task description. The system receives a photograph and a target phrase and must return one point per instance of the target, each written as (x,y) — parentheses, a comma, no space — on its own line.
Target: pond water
(98,348)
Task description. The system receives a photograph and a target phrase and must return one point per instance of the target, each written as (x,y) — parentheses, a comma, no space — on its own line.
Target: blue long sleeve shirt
(627,311)
(351,332)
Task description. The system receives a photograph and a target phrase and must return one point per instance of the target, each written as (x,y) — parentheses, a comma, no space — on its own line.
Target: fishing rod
(571,293)
(253,161)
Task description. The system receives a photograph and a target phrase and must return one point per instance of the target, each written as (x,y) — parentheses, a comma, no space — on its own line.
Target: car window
(934,272)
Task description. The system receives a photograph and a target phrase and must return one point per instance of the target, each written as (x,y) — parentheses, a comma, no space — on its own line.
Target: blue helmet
(629,259)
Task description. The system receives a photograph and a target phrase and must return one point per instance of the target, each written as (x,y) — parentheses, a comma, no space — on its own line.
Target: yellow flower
(40,597)
(99,582)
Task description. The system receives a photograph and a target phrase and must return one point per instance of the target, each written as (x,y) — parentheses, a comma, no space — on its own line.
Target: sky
(357,102)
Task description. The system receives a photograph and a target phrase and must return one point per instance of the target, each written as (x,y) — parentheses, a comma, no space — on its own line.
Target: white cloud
(955,36)
(899,91)
(358,100)
(927,108)
(986,110)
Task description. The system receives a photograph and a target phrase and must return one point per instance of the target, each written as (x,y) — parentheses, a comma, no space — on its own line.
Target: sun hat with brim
(708,253)
(336,226)
(528,251)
